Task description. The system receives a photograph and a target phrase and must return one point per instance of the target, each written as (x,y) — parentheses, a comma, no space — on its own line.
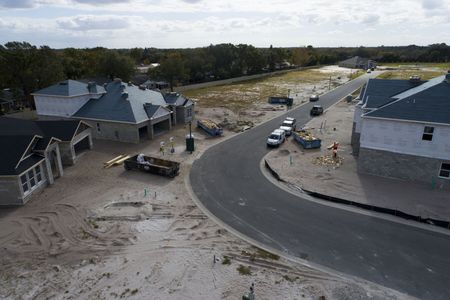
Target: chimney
(117,79)
(125,95)
(447,76)
(91,86)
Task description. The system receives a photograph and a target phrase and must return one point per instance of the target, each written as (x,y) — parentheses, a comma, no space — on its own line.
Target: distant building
(401,129)
(358,63)
(116,111)
(10,101)
(33,154)
(183,108)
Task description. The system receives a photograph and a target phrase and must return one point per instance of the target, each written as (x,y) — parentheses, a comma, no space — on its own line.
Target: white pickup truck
(276,138)
(288,125)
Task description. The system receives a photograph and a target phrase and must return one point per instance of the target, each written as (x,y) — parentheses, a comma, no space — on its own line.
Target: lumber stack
(115,161)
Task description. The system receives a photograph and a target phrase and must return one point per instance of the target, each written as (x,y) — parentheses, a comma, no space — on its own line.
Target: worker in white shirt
(141,159)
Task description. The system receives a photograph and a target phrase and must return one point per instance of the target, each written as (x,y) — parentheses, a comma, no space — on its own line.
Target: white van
(276,138)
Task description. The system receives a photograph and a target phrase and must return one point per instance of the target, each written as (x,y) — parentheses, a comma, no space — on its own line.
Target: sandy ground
(109,233)
(340,178)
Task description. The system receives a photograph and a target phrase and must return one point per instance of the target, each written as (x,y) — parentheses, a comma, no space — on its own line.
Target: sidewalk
(307,169)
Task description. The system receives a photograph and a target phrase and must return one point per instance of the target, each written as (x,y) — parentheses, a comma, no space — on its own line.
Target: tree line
(29,68)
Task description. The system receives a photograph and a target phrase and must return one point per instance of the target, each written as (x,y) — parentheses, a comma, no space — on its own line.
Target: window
(98,127)
(189,112)
(24,182)
(31,178)
(116,133)
(38,174)
(428,133)
(445,170)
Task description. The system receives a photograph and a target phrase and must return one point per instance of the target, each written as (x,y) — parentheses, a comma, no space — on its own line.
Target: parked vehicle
(316,110)
(276,138)
(288,126)
(210,127)
(314,98)
(152,165)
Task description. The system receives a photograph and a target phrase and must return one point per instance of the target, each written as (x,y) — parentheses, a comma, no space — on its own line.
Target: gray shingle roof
(70,88)
(175,99)
(61,129)
(378,92)
(429,105)
(121,103)
(11,151)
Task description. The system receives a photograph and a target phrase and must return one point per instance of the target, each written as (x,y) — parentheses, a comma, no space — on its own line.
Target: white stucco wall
(357,118)
(61,106)
(405,137)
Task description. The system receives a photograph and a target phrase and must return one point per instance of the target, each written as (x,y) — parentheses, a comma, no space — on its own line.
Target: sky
(198,23)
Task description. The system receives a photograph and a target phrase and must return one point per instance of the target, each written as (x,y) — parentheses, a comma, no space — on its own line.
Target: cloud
(432,4)
(17,3)
(370,19)
(90,22)
(100,2)
(192,1)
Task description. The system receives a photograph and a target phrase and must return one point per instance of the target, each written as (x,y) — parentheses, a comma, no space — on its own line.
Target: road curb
(365,209)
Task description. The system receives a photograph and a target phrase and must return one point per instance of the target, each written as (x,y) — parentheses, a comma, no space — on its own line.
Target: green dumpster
(190,143)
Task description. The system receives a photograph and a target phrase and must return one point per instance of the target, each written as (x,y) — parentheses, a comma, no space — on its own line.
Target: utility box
(190,145)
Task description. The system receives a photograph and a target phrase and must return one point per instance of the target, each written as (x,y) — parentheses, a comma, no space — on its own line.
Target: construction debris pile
(239,126)
(209,124)
(328,160)
(306,135)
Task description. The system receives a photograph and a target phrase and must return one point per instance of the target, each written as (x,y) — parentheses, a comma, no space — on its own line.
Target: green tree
(113,65)
(173,69)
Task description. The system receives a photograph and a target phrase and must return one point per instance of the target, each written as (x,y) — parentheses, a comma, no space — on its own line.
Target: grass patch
(266,255)
(443,66)
(226,260)
(405,74)
(243,270)
(287,278)
(93,223)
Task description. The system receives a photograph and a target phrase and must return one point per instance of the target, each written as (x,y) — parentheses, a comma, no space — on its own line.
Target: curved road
(228,181)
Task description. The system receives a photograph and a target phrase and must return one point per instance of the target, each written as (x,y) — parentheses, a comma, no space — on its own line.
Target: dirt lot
(109,233)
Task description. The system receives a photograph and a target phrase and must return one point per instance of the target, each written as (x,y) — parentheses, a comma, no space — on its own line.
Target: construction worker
(334,148)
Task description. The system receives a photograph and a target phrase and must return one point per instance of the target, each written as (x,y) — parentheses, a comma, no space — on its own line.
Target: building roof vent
(142,87)
(447,77)
(414,79)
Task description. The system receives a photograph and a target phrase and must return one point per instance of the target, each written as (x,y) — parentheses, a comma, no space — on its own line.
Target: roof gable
(13,160)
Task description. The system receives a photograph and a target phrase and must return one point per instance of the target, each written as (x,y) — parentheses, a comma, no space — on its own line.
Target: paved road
(228,181)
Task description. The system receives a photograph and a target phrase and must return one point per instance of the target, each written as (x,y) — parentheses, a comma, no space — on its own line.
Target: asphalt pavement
(228,181)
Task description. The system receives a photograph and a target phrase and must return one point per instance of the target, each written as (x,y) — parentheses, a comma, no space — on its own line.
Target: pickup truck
(288,125)
(276,138)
